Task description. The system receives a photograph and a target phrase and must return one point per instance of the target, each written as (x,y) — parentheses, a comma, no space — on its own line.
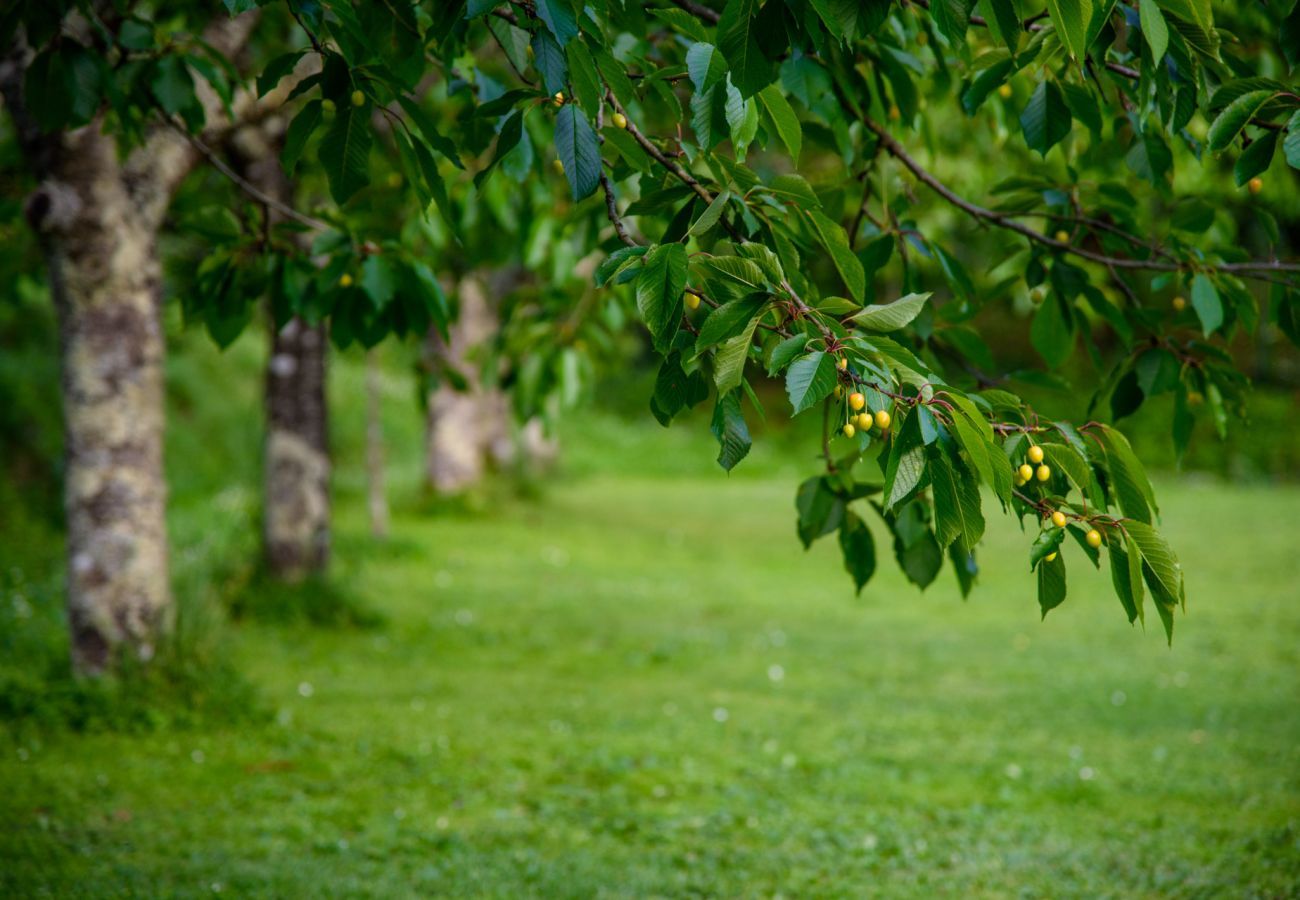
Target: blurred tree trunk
(376,498)
(296,497)
(97,213)
(469,430)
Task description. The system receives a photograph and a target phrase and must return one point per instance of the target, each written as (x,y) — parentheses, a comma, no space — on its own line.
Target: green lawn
(637,684)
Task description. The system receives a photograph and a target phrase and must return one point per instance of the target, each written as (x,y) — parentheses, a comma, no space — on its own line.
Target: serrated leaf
(1291,146)
(729,428)
(275,70)
(1159,557)
(1126,575)
(1071,18)
(1255,159)
(957,513)
(729,360)
(1128,480)
(1051,584)
(783,119)
(785,352)
(809,380)
(578,149)
(858,548)
(820,510)
(906,471)
(705,65)
(559,18)
(751,71)
(1154,30)
(297,134)
(1046,119)
(612,264)
(1229,123)
(832,237)
(345,151)
(891,316)
(729,320)
(659,290)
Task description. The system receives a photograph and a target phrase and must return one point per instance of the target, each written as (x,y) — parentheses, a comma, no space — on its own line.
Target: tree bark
(376,497)
(105,277)
(296,461)
(97,214)
(468,430)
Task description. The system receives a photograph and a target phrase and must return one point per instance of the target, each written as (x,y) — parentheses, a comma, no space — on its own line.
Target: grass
(636,684)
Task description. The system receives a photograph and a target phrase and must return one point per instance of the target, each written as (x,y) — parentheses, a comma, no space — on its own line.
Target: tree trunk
(377,499)
(468,430)
(106,286)
(296,497)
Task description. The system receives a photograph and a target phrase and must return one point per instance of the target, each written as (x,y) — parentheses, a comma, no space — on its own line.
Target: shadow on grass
(320,600)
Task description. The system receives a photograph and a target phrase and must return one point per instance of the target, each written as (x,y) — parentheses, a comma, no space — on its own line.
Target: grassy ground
(635,683)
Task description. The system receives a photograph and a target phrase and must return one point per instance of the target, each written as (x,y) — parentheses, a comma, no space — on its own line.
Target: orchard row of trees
(743,180)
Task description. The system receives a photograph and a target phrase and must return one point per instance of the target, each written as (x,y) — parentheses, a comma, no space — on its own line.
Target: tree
(753,181)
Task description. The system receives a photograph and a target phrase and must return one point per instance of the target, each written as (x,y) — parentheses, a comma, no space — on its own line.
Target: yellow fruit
(1049,557)
(394,180)
(1058,519)
(894,113)
(857,401)
(865,421)
(558,166)
(843,363)
(1179,304)
(1063,237)
(1093,538)
(1025,472)
(1004,91)
(882,420)
(1020,482)
(1036,295)
(358,98)
(849,430)
(327,107)
(345,280)
(1043,473)
(839,391)
(1195,398)
(1256,185)
(1035,454)
(559,98)
(692,301)
(620,120)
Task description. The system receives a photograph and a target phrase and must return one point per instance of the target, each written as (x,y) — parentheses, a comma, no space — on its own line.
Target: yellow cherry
(358,98)
(692,301)
(559,98)
(865,421)
(1179,304)
(849,430)
(558,166)
(1020,482)
(1058,519)
(894,113)
(843,363)
(1043,473)
(1035,454)
(1063,237)
(327,106)
(1004,91)
(1093,538)
(345,280)
(1195,398)
(1049,557)
(857,401)
(620,120)
(882,420)
(839,391)
(1025,472)
(1256,185)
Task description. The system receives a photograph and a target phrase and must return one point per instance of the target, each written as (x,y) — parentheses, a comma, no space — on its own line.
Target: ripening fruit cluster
(862,419)
(1027,473)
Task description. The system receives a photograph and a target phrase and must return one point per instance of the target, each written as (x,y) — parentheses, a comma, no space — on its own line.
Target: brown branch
(699,10)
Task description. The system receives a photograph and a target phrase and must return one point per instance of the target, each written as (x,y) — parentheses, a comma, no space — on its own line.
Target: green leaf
(712,213)
(1128,480)
(559,18)
(963,565)
(379,280)
(809,380)
(1051,584)
(891,316)
(1071,18)
(783,119)
(1046,119)
(731,275)
(1067,460)
(1159,558)
(275,70)
(858,548)
(1052,332)
(957,514)
(549,60)
(1207,303)
(784,353)
(820,510)
(578,149)
(659,292)
(424,124)
(587,89)
(296,136)
(836,242)
(1155,31)
(345,151)
(1291,146)
(906,470)
(1005,22)
(751,71)
(1126,575)
(729,360)
(511,132)
(730,320)
(173,85)
(706,66)
(729,428)
(1256,158)
(1230,122)
(615,262)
